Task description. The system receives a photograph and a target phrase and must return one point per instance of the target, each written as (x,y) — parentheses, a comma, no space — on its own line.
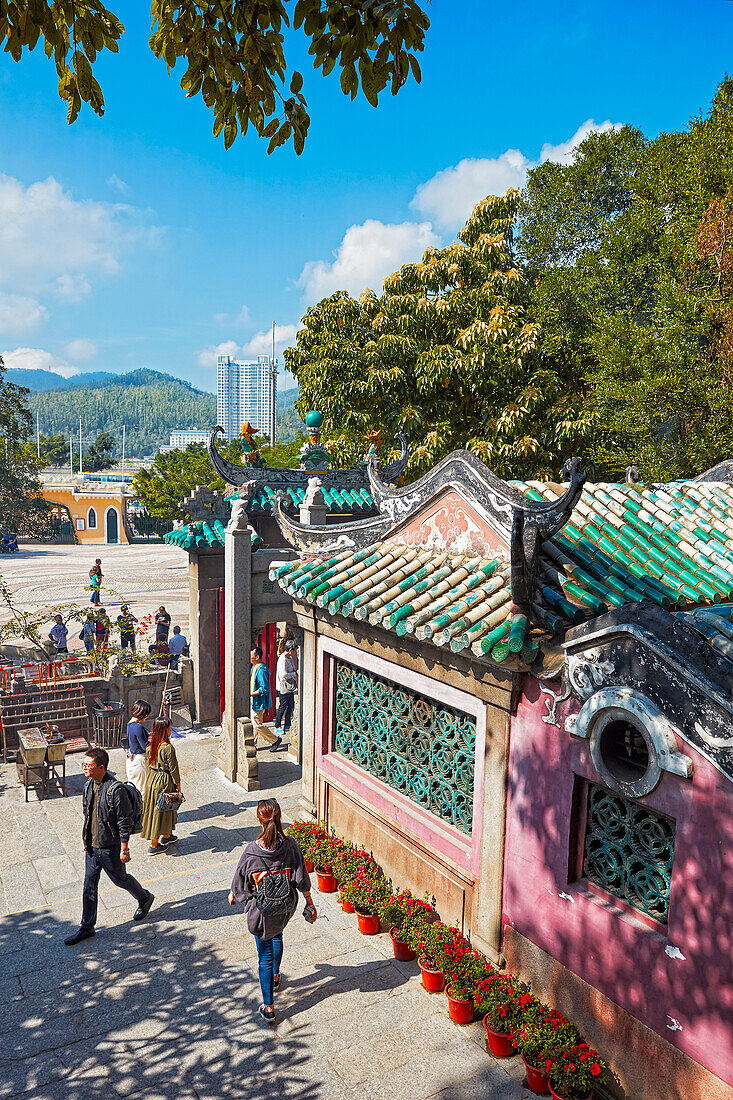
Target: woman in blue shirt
(137,737)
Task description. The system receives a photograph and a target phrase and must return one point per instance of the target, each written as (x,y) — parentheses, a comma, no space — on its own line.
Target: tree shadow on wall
(146,1012)
(631,964)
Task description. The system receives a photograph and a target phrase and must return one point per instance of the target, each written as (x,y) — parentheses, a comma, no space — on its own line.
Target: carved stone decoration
(206,503)
(552,703)
(625,704)
(586,672)
(247,766)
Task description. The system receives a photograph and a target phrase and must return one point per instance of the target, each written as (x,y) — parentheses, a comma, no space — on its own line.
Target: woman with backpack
(267,879)
(163,794)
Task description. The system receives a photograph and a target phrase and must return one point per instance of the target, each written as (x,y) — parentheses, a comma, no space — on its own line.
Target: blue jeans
(270,953)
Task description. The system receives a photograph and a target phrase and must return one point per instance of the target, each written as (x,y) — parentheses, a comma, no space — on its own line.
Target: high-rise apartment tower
(246,392)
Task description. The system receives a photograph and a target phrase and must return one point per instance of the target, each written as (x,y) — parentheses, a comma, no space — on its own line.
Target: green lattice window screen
(629,851)
(419,747)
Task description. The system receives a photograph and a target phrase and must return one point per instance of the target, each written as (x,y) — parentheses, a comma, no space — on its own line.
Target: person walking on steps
(260,692)
(109,817)
(95,578)
(137,742)
(286,684)
(163,785)
(268,877)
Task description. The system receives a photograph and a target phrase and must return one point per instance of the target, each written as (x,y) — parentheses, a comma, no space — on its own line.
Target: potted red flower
(542,1034)
(406,917)
(323,853)
(504,1002)
(431,956)
(368,894)
(345,867)
(468,970)
(575,1072)
(306,834)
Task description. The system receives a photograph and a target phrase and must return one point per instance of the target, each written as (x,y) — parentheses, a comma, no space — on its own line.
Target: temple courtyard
(144,576)
(166,1009)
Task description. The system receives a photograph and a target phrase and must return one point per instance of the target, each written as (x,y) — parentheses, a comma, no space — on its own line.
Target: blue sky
(135,240)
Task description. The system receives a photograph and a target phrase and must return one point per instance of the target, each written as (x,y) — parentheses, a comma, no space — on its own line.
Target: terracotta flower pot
(501,1046)
(559,1095)
(401,949)
(433,980)
(326,882)
(460,1011)
(310,867)
(537,1080)
(345,904)
(368,923)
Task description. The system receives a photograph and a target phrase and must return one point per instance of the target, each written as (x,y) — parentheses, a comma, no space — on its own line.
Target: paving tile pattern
(166,1009)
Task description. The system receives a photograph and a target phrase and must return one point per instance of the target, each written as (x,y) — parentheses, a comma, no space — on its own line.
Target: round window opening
(624,751)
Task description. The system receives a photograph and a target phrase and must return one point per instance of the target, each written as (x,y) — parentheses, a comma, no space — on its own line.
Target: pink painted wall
(614,950)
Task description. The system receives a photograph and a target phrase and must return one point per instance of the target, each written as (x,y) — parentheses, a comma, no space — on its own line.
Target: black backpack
(135,798)
(276,898)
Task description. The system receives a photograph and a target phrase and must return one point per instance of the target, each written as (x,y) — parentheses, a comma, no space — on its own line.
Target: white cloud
(207,356)
(72,288)
(242,317)
(81,349)
(19,314)
(450,195)
(51,241)
(564,153)
(366,255)
(259,344)
(117,184)
(37,359)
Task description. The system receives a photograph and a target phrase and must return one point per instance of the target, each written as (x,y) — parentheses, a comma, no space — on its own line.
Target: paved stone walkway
(166,1009)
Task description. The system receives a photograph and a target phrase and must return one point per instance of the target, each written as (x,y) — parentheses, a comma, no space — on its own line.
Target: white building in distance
(246,391)
(181,437)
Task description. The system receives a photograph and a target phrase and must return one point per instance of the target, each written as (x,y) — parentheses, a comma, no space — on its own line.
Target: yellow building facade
(98,509)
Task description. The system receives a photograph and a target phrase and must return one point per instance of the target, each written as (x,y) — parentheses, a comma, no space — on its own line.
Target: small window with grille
(628,851)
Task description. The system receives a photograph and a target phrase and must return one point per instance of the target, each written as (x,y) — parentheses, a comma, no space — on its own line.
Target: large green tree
(175,474)
(448,352)
(233,52)
(21,507)
(627,251)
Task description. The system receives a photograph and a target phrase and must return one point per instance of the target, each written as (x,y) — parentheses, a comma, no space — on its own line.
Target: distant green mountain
(37,380)
(150,405)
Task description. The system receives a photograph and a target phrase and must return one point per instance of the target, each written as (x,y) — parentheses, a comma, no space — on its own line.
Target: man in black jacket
(108,821)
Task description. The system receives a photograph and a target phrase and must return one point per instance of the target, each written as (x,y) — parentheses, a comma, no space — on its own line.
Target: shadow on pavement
(148,1011)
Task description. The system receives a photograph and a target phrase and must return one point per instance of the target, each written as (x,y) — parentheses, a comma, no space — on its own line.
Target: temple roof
(448,561)
(203,534)
(339,501)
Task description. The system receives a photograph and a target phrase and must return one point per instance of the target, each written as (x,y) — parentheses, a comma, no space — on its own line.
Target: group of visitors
(9,543)
(286,686)
(97,627)
(270,872)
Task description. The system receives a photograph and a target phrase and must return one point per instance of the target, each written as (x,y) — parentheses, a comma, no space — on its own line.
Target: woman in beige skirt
(137,741)
(163,776)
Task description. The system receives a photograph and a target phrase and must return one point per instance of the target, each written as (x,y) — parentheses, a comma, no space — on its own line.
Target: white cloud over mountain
(81,349)
(38,359)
